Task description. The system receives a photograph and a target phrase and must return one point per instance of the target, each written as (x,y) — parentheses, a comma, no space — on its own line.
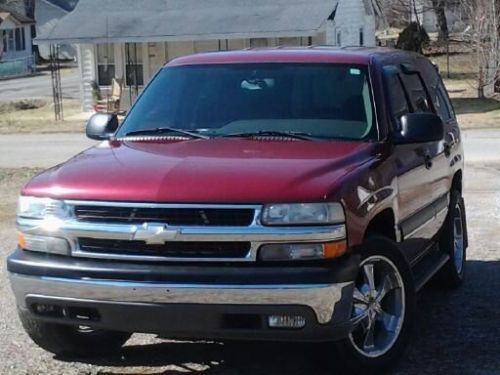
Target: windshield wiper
(166,130)
(273,133)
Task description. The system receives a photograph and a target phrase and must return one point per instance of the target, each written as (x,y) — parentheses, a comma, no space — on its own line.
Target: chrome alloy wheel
(378,307)
(458,238)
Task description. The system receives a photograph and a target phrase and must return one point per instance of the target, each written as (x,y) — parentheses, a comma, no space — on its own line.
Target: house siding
(27,52)
(350,18)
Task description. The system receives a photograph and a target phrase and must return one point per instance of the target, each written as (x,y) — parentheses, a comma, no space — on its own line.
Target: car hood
(203,171)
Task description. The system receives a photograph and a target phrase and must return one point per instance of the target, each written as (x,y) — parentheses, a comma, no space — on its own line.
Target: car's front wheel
(382,311)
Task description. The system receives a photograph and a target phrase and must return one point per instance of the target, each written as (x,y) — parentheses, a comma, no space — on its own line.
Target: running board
(428,267)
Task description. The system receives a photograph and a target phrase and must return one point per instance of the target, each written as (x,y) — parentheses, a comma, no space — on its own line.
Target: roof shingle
(100,21)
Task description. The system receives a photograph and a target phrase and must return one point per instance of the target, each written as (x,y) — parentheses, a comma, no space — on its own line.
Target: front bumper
(218,302)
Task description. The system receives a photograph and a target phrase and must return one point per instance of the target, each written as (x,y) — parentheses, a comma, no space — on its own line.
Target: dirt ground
(456,332)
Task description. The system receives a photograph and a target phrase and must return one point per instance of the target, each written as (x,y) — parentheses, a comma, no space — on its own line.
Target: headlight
(40,208)
(303,214)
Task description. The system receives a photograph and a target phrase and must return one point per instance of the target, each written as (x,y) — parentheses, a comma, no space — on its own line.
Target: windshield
(321,100)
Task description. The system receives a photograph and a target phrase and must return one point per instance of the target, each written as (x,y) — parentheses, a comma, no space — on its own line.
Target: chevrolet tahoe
(287,194)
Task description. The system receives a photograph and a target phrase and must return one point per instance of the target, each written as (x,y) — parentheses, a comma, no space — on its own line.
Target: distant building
(16,56)
(456,16)
(132,39)
(47,15)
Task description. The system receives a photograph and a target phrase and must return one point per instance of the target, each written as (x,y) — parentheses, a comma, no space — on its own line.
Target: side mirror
(420,128)
(102,126)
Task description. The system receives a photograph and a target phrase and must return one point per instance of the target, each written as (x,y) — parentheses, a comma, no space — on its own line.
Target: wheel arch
(382,224)
(456,183)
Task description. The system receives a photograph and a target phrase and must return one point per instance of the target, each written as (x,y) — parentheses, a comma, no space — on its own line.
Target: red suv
(299,194)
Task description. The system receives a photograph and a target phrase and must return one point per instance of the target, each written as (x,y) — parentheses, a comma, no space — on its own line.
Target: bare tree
(439,7)
(400,13)
(484,41)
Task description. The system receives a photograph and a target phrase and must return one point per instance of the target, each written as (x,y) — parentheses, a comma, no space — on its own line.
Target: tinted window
(328,101)
(441,104)
(397,98)
(437,91)
(416,92)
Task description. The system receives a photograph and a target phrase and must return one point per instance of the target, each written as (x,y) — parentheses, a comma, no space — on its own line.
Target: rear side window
(441,104)
(437,91)
(417,93)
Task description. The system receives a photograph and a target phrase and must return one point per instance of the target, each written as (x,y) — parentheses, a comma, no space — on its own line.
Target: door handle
(428,161)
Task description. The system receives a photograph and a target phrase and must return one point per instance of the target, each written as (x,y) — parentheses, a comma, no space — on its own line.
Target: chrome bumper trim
(321,298)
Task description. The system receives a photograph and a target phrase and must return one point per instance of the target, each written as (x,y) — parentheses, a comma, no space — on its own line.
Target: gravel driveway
(456,332)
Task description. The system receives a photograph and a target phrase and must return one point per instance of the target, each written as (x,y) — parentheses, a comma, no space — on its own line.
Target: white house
(47,15)
(132,39)
(16,56)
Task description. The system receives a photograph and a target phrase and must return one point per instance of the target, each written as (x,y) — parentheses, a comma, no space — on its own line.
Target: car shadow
(456,332)
(241,358)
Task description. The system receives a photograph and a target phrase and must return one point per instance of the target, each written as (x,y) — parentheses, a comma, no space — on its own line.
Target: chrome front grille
(172,249)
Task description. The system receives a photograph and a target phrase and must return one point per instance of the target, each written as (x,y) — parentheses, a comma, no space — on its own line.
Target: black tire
(347,355)
(452,274)
(61,339)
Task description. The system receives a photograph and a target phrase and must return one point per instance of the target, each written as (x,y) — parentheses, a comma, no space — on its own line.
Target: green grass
(462,66)
(37,116)
(475,105)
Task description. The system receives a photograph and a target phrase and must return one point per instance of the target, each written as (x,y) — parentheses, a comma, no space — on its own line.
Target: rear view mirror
(102,126)
(420,128)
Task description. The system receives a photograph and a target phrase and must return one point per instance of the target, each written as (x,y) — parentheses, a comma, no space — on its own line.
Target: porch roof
(97,21)
(18,18)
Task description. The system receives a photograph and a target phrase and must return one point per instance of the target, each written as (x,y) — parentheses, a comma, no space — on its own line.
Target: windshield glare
(322,100)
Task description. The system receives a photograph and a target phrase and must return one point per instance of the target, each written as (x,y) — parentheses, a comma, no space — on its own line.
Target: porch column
(86,65)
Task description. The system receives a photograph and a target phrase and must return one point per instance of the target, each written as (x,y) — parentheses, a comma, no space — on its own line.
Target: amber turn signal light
(334,249)
(21,240)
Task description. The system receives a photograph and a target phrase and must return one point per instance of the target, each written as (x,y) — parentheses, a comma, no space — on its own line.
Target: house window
(361,37)
(258,42)
(8,38)
(134,67)
(289,42)
(20,39)
(4,40)
(338,37)
(105,64)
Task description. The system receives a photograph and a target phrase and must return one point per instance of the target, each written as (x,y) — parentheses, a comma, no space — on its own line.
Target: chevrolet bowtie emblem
(154,234)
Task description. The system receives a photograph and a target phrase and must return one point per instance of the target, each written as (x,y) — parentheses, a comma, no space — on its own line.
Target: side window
(437,92)
(441,104)
(417,93)
(396,97)
(446,100)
